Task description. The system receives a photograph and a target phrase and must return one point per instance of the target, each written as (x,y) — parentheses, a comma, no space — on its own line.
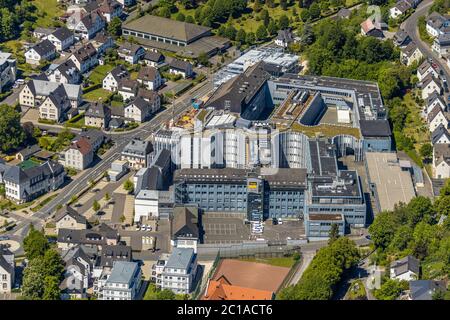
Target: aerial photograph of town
(224,150)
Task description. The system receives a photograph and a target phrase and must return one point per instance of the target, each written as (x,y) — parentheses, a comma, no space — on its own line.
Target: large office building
(263,193)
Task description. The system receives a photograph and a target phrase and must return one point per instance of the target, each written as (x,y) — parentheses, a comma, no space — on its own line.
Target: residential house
(410,54)
(44,50)
(131,52)
(344,13)
(153,58)
(78,265)
(406,269)
(85,57)
(429,85)
(185,229)
(137,153)
(102,42)
(69,218)
(8,70)
(425,289)
(425,69)
(180,270)
(62,38)
(138,110)
(79,155)
(23,185)
(441,160)
(110,9)
(181,67)
(223,289)
(113,78)
(400,8)
(3,168)
(284,38)
(123,283)
(437,117)
(127,3)
(434,100)
(42,33)
(95,137)
(440,135)
(89,25)
(55,106)
(435,24)
(128,89)
(97,115)
(96,237)
(441,44)
(67,72)
(151,97)
(7,270)
(149,77)
(401,38)
(36,91)
(371,28)
(27,152)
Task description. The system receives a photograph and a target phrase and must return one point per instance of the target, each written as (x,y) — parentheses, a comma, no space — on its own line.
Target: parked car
(4,238)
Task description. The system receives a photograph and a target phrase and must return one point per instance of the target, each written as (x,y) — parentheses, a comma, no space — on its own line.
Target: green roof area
(326,130)
(27,164)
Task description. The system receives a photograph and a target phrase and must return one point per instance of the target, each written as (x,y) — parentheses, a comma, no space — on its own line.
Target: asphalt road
(410,26)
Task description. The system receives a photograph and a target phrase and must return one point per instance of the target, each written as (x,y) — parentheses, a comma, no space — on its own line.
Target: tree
(53,264)
(382,229)
(230,32)
(51,288)
(166,294)
(33,280)
(115,27)
(334,233)
(203,59)
(265,17)
(420,209)
(304,15)
(324,272)
(283,4)
(11,132)
(283,22)
(257,6)
(189,19)
(95,206)
(251,38)
(35,244)
(181,17)
(314,10)
(128,186)
(241,36)
(107,196)
(390,289)
(270,3)
(261,33)
(426,151)
(272,28)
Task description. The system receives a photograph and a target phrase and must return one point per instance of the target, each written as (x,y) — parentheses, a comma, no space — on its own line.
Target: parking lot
(229,228)
(224,228)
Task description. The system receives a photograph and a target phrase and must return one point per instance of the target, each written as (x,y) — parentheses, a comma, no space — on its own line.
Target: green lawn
(47,12)
(248,20)
(97,95)
(416,126)
(99,73)
(287,262)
